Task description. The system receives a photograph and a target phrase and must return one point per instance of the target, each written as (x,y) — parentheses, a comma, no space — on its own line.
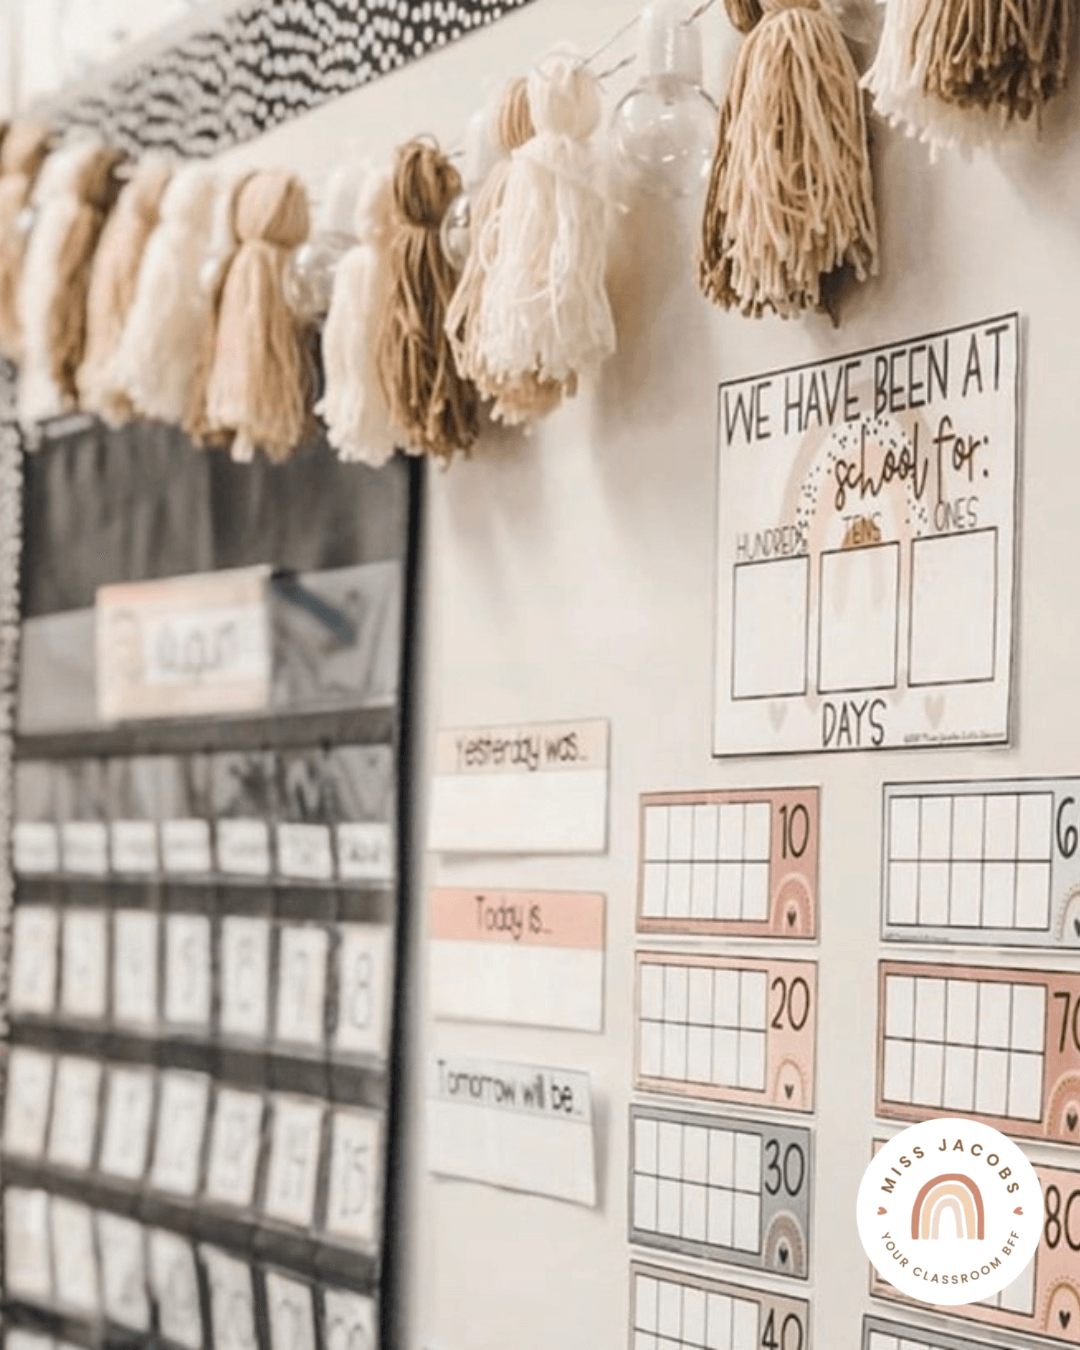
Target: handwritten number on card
(1059,1221)
(360,1005)
(1067,836)
(1068,1024)
(791,1333)
(790,1174)
(794,830)
(795,999)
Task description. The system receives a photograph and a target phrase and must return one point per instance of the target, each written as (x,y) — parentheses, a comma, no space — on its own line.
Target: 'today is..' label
(950,1211)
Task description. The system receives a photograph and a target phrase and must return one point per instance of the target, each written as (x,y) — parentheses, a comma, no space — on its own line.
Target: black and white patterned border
(264,64)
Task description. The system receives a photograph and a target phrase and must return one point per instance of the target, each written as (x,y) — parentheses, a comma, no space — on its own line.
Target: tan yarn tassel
(74,193)
(25,147)
(113,279)
(1006,54)
(745,15)
(790,201)
(528,396)
(259,383)
(435,408)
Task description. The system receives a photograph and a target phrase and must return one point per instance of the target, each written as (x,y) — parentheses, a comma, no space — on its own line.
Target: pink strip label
(570,919)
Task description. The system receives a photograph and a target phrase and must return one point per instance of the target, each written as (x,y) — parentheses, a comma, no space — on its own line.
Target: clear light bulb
(664,129)
(455,232)
(309,274)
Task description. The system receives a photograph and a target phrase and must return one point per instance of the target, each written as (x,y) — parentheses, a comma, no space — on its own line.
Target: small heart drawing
(1076,927)
(1064,1316)
(789,1088)
(777,715)
(1071,1119)
(783,1254)
(935,708)
(792,915)
(881,1209)
(1019,1209)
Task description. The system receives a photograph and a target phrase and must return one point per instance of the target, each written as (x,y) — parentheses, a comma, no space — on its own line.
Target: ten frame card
(727,1029)
(674,1310)
(994,862)
(721,1189)
(738,864)
(988,1043)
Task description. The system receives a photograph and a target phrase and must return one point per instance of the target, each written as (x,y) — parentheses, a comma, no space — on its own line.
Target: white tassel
(61,208)
(897,80)
(158,356)
(545,307)
(353,405)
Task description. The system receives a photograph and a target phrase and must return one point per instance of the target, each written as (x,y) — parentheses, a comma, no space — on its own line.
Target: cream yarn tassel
(25,147)
(220,251)
(113,279)
(955,73)
(791,200)
(158,353)
(258,383)
(353,405)
(513,400)
(73,194)
(544,309)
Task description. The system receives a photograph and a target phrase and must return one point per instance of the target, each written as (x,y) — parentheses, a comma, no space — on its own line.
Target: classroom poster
(866,538)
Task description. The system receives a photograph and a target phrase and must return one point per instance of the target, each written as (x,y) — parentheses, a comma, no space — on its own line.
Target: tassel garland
(73,194)
(790,199)
(544,311)
(258,382)
(113,278)
(158,354)
(435,408)
(25,147)
(354,406)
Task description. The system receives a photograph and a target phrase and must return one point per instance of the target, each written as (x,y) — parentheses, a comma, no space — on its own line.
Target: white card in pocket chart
(175,1283)
(27,1248)
(295,1139)
(129,1107)
(232,1300)
(540,788)
(135,967)
(26,1101)
(83,988)
(352,1205)
(75,1112)
(36,845)
(35,952)
(181,1124)
(304,851)
(187,969)
(234,1147)
(364,961)
(517,1126)
(245,975)
(349,1321)
(866,547)
(291,1313)
(123,1271)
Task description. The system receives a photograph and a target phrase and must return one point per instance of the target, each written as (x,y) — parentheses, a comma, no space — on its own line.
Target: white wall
(569,575)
